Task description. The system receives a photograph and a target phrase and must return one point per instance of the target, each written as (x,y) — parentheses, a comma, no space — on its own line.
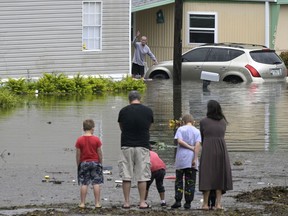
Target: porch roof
(139,5)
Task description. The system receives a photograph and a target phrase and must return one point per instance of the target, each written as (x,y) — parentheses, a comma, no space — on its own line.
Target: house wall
(237,22)
(38,36)
(281,37)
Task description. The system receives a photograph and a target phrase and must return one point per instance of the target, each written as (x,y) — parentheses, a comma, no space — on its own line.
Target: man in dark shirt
(135,121)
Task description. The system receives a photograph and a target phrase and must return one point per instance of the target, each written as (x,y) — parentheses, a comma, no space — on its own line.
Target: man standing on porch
(141,49)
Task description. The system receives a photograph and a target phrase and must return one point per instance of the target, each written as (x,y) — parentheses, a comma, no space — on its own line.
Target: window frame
(100,26)
(215,29)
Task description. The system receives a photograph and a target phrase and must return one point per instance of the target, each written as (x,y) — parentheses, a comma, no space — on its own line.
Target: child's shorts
(90,173)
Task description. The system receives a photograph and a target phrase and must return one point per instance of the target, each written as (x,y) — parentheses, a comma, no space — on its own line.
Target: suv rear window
(265,57)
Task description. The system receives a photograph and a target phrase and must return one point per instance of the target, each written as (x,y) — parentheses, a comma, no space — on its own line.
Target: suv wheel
(159,75)
(233,79)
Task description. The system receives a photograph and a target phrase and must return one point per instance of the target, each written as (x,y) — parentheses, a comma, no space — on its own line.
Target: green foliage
(284,56)
(47,83)
(81,84)
(98,85)
(61,84)
(64,84)
(18,86)
(129,84)
(8,99)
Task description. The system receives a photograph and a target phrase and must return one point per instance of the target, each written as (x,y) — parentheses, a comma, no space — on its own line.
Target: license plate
(276,72)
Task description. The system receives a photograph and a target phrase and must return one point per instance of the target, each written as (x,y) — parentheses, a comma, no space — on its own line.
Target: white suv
(234,62)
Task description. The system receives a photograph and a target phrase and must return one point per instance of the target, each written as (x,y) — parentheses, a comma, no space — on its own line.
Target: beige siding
(160,36)
(46,36)
(237,22)
(281,39)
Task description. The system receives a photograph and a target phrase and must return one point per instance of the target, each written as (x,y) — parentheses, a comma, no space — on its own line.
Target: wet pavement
(38,140)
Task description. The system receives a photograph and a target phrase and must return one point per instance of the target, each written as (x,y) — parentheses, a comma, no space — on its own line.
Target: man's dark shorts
(90,173)
(137,70)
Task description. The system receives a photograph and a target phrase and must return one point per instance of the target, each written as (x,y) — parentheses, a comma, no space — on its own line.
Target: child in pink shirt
(158,172)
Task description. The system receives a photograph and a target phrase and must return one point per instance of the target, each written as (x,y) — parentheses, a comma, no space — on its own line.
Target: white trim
(116,77)
(267,24)
(130,43)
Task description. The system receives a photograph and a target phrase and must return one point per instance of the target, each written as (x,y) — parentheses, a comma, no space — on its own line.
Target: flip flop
(125,207)
(98,207)
(145,207)
(81,206)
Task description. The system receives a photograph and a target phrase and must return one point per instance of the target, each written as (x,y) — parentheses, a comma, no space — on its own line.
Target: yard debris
(237,163)
(47,179)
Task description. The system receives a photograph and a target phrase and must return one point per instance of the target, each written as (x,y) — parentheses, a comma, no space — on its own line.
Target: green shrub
(81,84)
(52,83)
(47,83)
(8,99)
(129,84)
(18,86)
(64,84)
(284,56)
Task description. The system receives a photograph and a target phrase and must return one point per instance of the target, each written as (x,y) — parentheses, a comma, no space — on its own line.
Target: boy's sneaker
(176,205)
(187,205)
(163,204)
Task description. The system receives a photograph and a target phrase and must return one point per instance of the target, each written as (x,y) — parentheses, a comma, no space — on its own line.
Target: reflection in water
(257,116)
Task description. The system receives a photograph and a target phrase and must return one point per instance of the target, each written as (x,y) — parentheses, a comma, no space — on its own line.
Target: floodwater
(44,131)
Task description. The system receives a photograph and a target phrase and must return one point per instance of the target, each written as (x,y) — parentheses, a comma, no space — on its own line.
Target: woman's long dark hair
(214,110)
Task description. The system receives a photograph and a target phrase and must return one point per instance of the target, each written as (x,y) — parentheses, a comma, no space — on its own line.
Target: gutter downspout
(267,24)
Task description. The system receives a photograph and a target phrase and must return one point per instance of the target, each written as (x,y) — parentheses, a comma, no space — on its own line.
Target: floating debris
(237,163)
(107,172)
(52,180)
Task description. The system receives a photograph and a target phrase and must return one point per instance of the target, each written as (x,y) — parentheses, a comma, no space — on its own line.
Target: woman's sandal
(81,206)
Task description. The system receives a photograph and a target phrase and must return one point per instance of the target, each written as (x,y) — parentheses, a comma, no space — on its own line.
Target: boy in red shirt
(89,161)
(158,171)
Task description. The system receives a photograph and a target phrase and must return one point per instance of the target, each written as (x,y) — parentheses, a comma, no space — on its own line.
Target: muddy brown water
(38,139)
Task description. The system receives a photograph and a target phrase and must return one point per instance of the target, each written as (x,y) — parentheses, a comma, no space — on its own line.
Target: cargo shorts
(134,162)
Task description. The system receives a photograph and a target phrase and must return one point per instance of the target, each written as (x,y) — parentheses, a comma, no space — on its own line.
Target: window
(265,57)
(202,28)
(223,54)
(196,55)
(92,25)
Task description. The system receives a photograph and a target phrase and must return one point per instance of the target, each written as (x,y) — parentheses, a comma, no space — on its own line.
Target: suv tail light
(253,71)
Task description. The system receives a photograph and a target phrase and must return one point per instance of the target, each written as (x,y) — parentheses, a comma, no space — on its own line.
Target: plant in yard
(64,84)
(8,99)
(52,83)
(47,83)
(129,84)
(98,85)
(284,56)
(81,84)
(18,86)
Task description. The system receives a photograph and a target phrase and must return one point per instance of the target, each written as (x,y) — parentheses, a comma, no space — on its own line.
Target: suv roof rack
(236,45)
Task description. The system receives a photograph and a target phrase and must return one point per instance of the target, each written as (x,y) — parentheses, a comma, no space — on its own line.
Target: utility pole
(177,60)
(177,56)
